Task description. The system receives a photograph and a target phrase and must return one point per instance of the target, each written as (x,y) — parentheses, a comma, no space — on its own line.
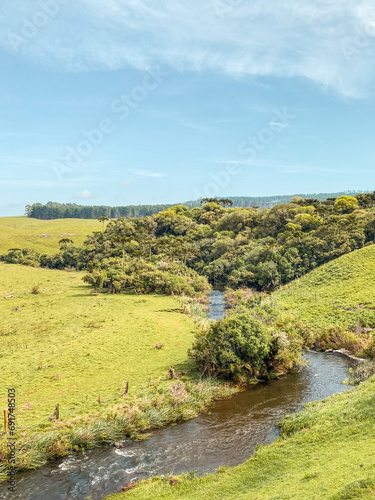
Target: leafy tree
(346,204)
(224,202)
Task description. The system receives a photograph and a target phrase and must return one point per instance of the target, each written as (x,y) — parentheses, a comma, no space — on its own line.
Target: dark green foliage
(53,210)
(143,277)
(364,489)
(235,347)
(26,256)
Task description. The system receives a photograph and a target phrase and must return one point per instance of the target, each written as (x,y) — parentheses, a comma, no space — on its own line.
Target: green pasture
(65,345)
(43,235)
(340,293)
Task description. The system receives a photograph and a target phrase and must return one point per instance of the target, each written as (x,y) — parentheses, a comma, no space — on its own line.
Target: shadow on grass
(175,310)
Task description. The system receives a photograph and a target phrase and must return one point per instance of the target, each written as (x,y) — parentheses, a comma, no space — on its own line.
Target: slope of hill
(42,235)
(340,293)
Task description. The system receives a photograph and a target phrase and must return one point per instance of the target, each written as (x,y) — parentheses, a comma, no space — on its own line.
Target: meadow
(339,294)
(65,345)
(43,235)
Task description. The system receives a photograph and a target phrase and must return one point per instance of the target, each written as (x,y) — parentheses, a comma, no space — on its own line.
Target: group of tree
(252,247)
(54,210)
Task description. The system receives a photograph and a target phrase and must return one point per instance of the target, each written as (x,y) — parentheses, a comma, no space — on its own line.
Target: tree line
(54,210)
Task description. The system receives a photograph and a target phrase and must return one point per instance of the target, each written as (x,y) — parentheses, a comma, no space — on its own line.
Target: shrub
(234,348)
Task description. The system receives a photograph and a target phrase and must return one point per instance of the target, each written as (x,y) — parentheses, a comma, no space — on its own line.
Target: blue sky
(138,102)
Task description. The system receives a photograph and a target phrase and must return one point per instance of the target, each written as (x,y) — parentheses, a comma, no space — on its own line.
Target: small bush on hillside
(234,348)
(362,372)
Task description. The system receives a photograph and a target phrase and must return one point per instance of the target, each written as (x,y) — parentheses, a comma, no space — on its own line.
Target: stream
(226,435)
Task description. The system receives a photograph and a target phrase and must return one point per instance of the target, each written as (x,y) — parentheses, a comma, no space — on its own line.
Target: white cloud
(195,126)
(147,173)
(126,182)
(284,39)
(86,194)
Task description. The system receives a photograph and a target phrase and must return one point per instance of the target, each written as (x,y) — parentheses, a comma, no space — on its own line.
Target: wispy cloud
(195,126)
(147,173)
(287,39)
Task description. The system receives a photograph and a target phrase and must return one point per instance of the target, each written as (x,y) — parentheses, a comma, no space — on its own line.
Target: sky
(120,102)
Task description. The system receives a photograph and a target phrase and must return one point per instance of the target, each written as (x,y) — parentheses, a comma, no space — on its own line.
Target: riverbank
(227,434)
(326,451)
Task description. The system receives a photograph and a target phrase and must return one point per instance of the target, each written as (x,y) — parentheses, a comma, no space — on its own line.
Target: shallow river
(227,435)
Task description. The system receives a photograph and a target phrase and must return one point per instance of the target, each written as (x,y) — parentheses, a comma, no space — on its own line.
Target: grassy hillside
(43,235)
(340,293)
(326,452)
(67,346)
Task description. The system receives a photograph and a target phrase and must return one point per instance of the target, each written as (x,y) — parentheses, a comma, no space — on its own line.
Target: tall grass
(153,407)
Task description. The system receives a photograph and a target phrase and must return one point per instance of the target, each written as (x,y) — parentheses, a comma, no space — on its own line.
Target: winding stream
(227,435)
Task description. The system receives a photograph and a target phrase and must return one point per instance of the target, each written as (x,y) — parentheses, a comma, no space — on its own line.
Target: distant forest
(54,210)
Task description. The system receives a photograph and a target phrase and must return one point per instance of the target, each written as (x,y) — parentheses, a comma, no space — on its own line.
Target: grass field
(43,235)
(331,294)
(327,453)
(65,345)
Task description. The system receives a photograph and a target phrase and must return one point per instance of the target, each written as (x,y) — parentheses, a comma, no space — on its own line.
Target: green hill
(43,235)
(65,345)
(340,293)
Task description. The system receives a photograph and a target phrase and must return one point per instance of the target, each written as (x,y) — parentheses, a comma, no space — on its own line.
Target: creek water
(226,435)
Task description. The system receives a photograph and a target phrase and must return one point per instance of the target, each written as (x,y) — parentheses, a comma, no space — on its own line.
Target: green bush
(234,348)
